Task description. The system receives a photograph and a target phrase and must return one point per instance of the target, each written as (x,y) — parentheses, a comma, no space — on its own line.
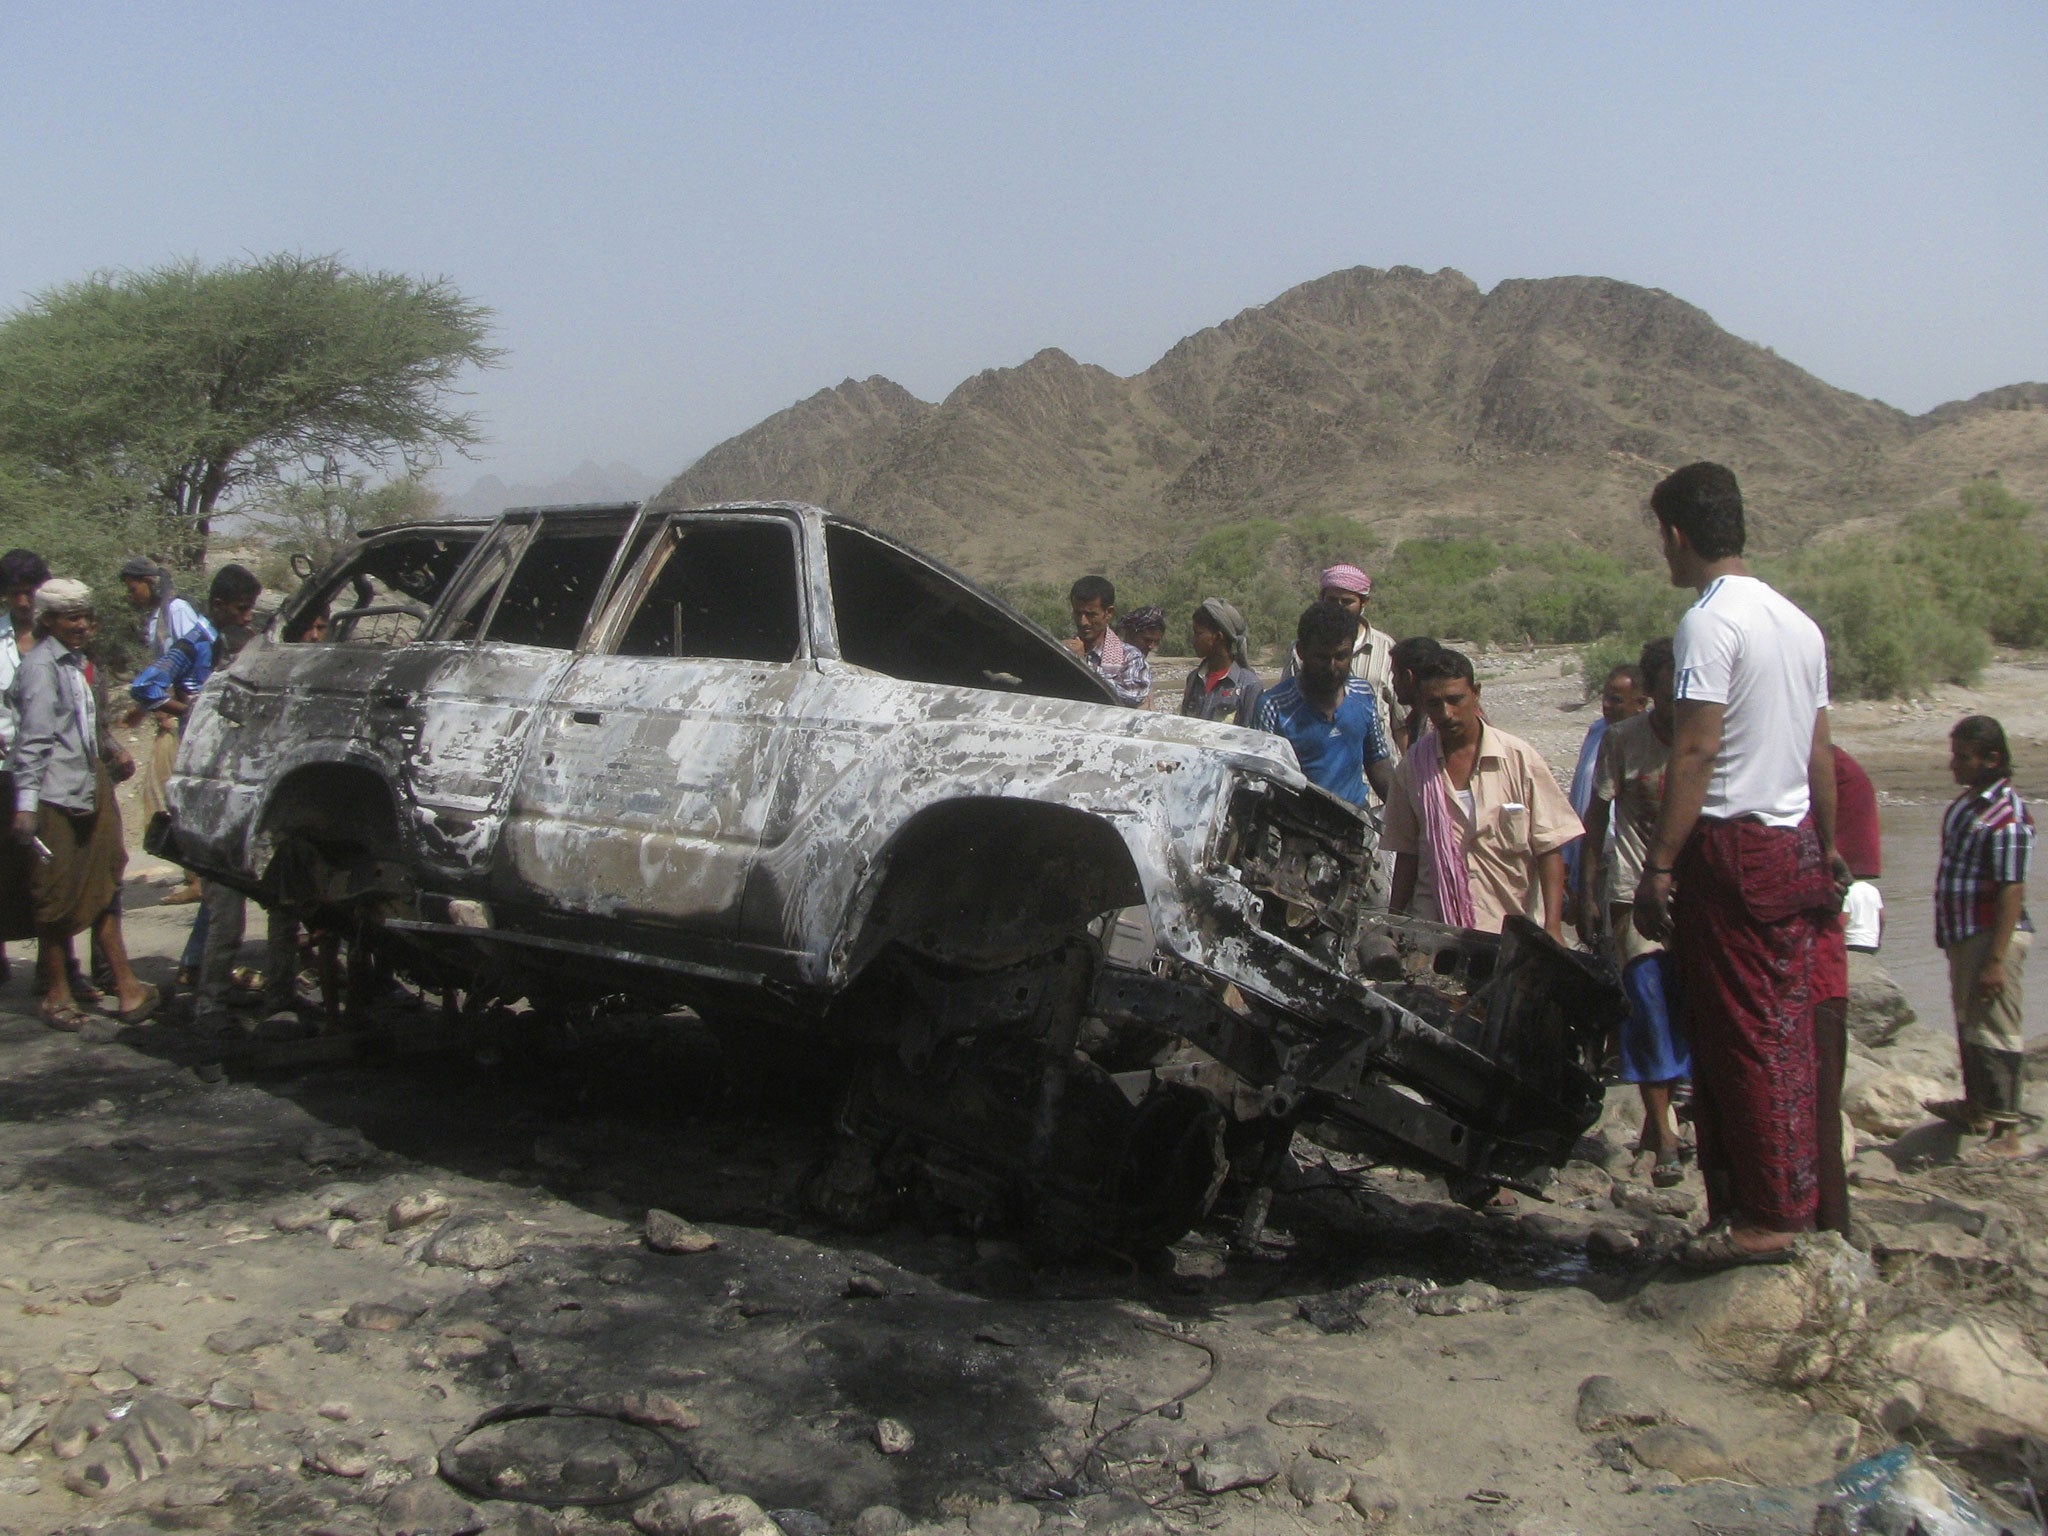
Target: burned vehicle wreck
(1078,962)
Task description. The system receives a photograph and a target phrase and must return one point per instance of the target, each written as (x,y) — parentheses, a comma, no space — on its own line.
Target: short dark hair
(1986,735)
(234,585)
(1703,502)
(1657,657)
(1631,670)
(22,568)
(1325,624)
(1092,589)
(1411,653)
(1444,664)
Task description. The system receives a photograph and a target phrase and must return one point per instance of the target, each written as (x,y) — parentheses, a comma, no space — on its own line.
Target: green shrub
(1887,630)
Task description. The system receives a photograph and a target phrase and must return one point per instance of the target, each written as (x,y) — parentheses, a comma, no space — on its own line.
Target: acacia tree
(190,384)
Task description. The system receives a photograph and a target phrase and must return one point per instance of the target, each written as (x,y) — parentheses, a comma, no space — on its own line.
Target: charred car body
(774,765)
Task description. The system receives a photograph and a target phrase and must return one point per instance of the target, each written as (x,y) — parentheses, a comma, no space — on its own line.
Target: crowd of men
(1715,843)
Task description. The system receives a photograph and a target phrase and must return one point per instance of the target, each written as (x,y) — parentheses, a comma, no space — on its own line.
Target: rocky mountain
(588,481)
(1412,401)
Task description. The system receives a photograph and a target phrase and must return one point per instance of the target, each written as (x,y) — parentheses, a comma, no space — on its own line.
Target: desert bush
(1887,629)
(1986,562)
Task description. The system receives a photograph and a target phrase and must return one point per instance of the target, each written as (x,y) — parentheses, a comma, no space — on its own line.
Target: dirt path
(197,1234)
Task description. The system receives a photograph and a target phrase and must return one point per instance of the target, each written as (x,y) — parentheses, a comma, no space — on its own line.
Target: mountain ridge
(1413,402)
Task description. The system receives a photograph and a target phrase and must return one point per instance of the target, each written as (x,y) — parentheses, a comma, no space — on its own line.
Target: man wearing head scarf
(1372,655)
(1223,685)
(168,620)
(64,806)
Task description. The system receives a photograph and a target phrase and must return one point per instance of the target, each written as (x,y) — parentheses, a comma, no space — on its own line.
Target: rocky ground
(266,1284)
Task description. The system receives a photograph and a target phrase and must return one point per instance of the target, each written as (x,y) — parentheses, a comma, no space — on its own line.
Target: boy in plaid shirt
(1980,919)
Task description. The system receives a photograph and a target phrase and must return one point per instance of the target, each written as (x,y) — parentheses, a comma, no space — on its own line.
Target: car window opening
(901,618)
(721,591)
(384,596)
(550,596)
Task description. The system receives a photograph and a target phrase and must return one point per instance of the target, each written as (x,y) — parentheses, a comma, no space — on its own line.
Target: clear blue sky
(689,215)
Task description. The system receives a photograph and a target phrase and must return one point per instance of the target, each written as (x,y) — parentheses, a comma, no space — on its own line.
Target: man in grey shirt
(64,806)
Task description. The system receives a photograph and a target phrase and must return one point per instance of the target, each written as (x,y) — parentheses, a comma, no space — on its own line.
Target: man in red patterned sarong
(1741,861)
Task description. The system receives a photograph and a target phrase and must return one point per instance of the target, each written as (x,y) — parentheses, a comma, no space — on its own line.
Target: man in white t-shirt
(1746,841)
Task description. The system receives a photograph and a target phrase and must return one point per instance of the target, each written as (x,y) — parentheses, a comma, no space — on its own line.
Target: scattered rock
(336,1149)
(1353,1443)
(881,1520)
(1375,1500)
(1318,1482)
(40,1384)
(244,1337)
(1878,1009)
(669,1233)
(24,1487)
(1118,1514)
(114,1379)
(730,1514)
(806,1522)
(1301,1412)
(1982,1383)
(861,1285)
(73,1426)
(1240,1458)
(1605,1404)
(20,1426)
(1002,1519)
(339,1458)
(1458,1300)
(1809,1451)
(1647,1200)
(471,1242)
(382,1316)
(152,1438)
(1681,1450)
(427,1506)
(1612,1242)
(78,1357)
(416,1209)
(308,1215)
(230,1397)
(1887,1104)
(893,1437)
(667,1511)
(1580,1180)
(145,1368)
(1546,1227)
(100,1296)
(662,1410)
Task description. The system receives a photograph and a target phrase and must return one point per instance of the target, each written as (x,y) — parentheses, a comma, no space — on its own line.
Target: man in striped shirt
(1981,922)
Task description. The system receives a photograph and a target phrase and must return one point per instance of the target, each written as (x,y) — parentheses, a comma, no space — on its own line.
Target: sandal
(1668,1173)
(142,1010)
(1958,1113)
(61,1017)
(1719,1250)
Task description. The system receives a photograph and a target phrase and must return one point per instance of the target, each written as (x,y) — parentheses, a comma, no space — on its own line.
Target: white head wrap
(60,595)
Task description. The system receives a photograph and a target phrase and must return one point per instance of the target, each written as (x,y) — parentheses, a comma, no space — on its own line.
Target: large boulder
(1878,1009)
(1888,1104)
(1982,1384)
(1769,1316)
